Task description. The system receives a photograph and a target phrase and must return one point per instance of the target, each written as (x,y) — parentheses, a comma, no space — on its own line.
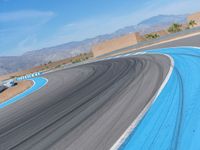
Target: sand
(13,91)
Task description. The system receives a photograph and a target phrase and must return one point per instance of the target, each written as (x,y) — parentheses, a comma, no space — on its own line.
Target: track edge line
(130,129)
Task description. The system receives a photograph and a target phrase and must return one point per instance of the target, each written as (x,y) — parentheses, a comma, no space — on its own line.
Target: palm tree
(175,28)
(192,23)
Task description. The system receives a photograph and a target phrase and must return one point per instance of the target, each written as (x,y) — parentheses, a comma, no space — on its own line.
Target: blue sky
(32,24)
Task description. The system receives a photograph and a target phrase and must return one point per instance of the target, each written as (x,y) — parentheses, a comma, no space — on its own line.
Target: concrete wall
(195,17)
(117,43)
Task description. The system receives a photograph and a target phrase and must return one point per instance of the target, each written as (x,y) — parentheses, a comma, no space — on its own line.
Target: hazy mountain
(153,24)
(37,57)
(160,22)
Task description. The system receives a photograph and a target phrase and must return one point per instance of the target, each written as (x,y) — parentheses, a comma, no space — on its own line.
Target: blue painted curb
(173,121)
(38,83)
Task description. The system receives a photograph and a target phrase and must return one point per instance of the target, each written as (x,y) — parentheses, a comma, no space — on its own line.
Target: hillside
(37,57)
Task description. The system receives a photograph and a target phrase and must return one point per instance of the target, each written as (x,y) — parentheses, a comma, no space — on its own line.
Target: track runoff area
(146,100)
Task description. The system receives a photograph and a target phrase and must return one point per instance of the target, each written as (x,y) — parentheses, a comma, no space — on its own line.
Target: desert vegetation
(192,23)
(81,57)
(175,27)
(152,36)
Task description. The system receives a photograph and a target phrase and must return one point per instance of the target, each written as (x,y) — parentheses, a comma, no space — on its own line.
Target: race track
(173,121)
(87,107)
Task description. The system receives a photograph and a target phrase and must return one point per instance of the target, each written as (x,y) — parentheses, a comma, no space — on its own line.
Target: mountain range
(34,58)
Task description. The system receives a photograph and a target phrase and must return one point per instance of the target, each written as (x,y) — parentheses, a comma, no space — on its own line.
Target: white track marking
(130,129)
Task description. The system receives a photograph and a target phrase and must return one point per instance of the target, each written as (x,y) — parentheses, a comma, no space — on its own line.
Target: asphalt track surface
(189,41)
(2,88)
(173,121)
(83,108)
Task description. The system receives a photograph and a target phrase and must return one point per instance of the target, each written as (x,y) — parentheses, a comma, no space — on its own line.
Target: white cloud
(28,43)
(24,14)
(107,24)
(21,28)
(86,28)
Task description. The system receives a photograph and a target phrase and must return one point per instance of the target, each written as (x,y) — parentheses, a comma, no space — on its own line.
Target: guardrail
(153,41)
(28,76)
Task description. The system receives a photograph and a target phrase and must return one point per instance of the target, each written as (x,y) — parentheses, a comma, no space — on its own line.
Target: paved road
(2,88)
(83,108)
(174,119)
(189,41)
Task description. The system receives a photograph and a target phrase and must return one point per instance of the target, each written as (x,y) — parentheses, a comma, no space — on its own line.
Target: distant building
(116,43)
(195,17)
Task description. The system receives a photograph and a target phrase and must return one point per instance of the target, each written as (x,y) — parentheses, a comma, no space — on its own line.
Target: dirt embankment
(13,91)
(50,65)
